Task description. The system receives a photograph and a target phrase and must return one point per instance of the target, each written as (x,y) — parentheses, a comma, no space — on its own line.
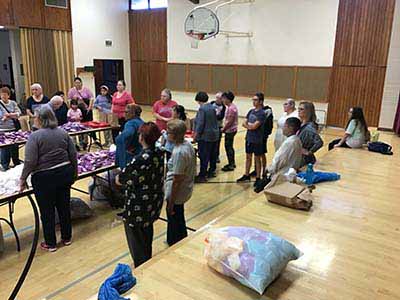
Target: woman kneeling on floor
(356,134)
(143,181)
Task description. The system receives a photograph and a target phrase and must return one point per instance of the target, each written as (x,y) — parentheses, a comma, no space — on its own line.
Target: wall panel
(157,80)
(250,79)
(199,78)
(57,18)
(279,82)
(140,82)
(176,77)
(28,13)
(312,83)
(222,78)
(6,15)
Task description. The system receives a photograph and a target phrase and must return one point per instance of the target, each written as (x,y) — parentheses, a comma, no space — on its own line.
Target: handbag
(16,122)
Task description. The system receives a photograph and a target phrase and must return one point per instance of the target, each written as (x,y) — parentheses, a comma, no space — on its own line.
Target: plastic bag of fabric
(100,189)
(118,283)
(251,256)
(320,176)
(79,210)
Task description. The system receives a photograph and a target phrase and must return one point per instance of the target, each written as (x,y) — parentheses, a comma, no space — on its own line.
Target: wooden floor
(351,239)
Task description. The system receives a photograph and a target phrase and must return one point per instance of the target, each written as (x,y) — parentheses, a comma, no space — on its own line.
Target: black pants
(335,142)
(9,153)
(140,240)
(52,191)
(230,151)
(208,155)
(176,230)
(115,132)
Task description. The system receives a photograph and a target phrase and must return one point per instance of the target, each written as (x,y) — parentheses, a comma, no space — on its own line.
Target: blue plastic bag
(320,176)
(252,256)
(118,283)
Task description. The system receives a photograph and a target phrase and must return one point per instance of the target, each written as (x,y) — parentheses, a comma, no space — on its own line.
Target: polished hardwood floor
(351,239)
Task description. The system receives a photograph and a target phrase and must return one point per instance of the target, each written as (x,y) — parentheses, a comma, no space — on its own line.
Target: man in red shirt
(162,109)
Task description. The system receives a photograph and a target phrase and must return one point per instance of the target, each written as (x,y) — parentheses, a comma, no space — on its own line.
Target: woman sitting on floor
(143,181)
(308,133)
(356,134)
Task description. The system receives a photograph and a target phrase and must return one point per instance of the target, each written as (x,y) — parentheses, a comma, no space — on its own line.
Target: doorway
(6,66)
(108,72)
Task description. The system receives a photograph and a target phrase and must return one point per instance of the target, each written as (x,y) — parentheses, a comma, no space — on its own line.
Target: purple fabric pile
(13,137)
(92,161)
(74,127)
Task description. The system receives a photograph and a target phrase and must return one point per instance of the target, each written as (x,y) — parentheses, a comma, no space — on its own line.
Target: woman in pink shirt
(162,109)
(120,100)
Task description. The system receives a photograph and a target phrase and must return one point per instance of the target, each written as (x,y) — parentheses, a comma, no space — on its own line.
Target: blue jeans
(8,153)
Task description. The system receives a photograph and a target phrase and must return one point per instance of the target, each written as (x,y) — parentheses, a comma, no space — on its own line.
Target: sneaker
(228,168)
(212,174)
(262,184)
(48,248)
(66,242)
(200,179)
(253,174)
(257,182)
(244,178)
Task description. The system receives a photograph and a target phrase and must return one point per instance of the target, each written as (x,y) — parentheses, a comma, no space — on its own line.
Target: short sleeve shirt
(182,162)
(164,110)
(81,94)
(33,105)
(357,137)
(256,136)
(143,181)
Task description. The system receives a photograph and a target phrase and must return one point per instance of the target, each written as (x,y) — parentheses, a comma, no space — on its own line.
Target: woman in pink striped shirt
(120,100)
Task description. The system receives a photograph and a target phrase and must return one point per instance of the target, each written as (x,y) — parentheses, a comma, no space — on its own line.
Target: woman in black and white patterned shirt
(142,181)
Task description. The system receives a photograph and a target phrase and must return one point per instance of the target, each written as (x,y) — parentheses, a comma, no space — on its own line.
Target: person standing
(120,100)
(162,109)
(36,100)
(290,111)
(220,111)
(230,129)
(179,181)
(254,124)
(206,134)
(103,105)
(9,114)
(50,157)
(308,133)
(143,181)
(85,99)
(128,140)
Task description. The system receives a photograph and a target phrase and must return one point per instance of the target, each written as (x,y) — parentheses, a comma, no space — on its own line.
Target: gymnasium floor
(76,272)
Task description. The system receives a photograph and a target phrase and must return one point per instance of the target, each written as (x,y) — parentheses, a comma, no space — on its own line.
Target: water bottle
(309,174)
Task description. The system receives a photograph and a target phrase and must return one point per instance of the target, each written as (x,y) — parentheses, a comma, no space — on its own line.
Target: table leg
(31,254)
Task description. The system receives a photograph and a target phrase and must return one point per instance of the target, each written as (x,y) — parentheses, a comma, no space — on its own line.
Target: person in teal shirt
(127,141)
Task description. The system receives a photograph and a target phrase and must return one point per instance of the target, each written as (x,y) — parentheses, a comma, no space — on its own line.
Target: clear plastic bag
(251,256)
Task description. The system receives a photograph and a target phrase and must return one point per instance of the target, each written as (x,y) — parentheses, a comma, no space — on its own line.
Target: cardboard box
(288,194)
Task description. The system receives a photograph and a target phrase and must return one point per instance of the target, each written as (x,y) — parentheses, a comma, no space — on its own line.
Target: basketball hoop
(201,24)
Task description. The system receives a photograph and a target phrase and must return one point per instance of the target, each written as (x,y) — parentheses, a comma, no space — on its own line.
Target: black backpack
(380,147)
(269,122)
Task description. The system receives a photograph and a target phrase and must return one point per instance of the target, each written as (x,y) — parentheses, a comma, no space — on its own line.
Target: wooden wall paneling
(199,78)
(157,80)
(363,32)
(57,18)
(249,79)
(28,13)
(140,35)
(294,82)
(279,81)
(158,33)
(223,78)
(6,15)
(176,77)
(140,81)
(312,83)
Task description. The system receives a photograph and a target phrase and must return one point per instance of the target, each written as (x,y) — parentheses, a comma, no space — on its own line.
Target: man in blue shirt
(254,124)
(206,134)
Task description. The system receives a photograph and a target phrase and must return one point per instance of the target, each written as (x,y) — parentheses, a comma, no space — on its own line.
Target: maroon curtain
(396,125)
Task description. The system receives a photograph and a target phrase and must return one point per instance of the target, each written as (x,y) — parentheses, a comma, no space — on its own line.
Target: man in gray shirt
(206,133)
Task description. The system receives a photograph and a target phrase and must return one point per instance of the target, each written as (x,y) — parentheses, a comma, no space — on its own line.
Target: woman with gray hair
(290,111)
(36,100)
(50,157)
(162,109)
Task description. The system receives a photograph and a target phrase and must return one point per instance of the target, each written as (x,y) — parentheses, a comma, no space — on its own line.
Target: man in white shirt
(288,155)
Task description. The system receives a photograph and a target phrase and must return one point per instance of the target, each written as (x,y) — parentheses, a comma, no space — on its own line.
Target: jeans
(8,153)
(335,142)
(140,240)
(176,229)
(208,155)
(230,151)
(52,189)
